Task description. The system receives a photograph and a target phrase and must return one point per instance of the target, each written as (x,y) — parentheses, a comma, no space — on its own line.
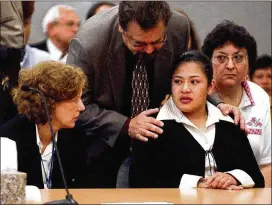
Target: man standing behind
(107,49)
(11,52)
(60,25)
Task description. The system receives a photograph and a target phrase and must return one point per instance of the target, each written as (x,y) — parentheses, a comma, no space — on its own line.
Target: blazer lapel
(117,66)
(29,158)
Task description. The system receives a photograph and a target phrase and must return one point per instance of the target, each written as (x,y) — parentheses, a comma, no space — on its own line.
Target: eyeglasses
(69,24)
(223,59)
(138,44)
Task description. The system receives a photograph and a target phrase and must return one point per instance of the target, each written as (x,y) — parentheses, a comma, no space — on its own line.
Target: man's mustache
(147,57)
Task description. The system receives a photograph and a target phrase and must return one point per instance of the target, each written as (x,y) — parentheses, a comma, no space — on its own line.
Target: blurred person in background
(233,53)
(11,53)
(261,73)
(32,56)
(193,43)
(98,7)
(60,25)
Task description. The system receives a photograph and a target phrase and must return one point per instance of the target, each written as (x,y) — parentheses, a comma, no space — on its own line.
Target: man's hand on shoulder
(143,126)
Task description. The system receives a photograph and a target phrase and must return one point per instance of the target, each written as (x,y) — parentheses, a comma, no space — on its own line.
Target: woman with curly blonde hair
(62,87)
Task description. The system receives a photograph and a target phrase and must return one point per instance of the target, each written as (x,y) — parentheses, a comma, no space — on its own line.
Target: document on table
(153,202)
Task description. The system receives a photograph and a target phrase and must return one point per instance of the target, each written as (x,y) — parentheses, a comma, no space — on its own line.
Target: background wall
(255,16)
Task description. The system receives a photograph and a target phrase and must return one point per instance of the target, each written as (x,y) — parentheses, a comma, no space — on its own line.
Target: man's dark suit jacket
(99,50)
(71,149)
(161,163)
(40,45)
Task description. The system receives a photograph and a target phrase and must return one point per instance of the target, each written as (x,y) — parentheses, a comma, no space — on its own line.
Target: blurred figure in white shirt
(261,73)
(32,56)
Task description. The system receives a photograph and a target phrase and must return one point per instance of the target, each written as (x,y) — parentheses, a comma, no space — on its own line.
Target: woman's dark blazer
(71,149)
(161,163)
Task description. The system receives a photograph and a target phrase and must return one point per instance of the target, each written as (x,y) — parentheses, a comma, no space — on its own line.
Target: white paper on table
(153,202)
(33,195)
(8,154)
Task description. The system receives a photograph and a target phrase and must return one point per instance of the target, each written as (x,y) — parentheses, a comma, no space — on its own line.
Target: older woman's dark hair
(92,11)
(58,82)
(146,13)
(194,56)
(229,32)
(262,62)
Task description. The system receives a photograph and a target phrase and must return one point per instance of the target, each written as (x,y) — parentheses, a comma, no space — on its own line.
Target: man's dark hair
(229,32)
(263,61)
(146,13)
(92,11)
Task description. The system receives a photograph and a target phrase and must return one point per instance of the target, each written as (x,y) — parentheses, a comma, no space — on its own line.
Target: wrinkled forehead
(230,47)
(137,33)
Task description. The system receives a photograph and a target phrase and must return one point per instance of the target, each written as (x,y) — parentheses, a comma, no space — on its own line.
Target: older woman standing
(233,52)
(62,87)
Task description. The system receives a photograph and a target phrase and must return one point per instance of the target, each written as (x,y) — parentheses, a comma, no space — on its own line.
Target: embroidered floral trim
(254,122)
(255,131)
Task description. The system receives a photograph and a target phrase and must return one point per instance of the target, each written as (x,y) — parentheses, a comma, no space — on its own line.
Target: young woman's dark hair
(196,57)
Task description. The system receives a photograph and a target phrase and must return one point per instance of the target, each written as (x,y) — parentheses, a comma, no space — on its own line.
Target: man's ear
(211,87)
(120,28)
(50,29)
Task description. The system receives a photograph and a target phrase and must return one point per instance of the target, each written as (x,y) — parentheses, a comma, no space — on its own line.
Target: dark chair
(123,174)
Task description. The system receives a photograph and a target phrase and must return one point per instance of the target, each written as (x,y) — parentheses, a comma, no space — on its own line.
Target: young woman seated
(199,146)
